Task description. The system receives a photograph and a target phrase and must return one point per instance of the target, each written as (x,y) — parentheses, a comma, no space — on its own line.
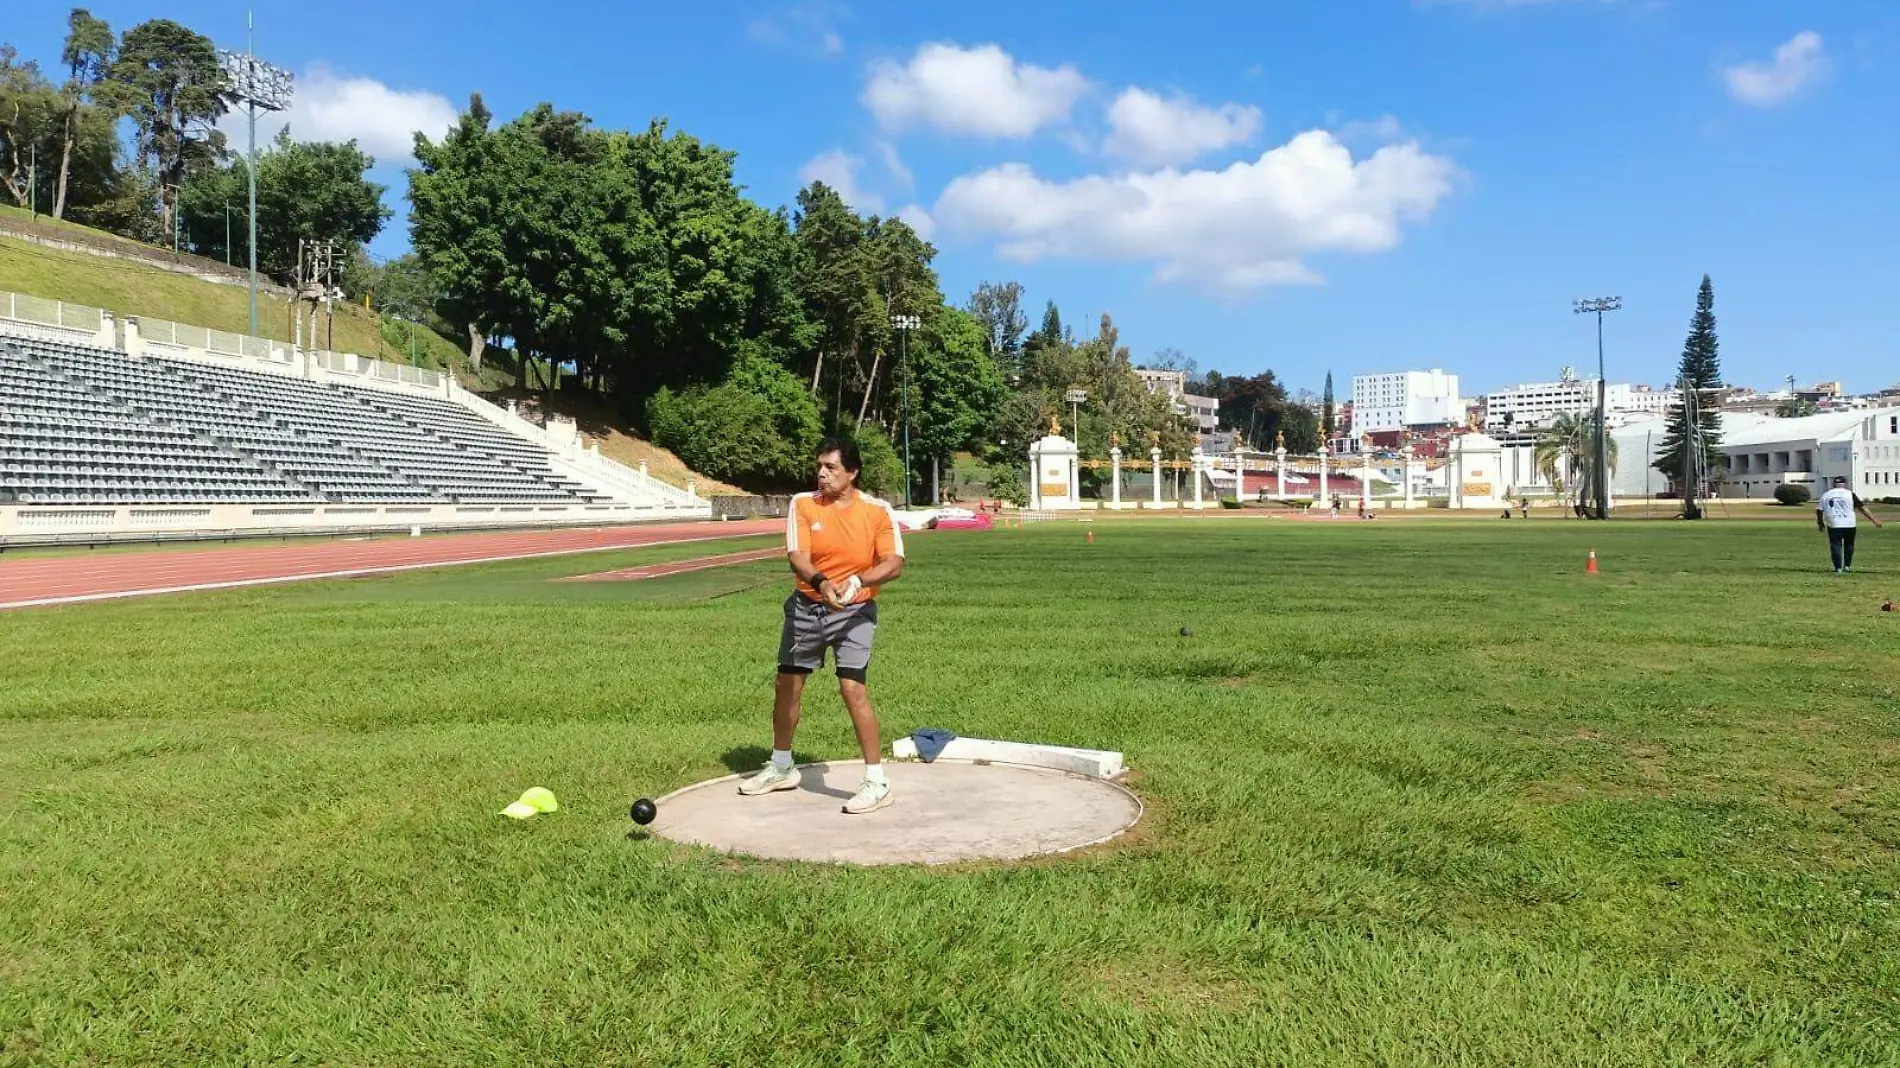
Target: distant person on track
(842,546)
(1834,514)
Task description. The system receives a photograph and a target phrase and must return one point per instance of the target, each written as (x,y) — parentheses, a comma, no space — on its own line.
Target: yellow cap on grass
(533,802)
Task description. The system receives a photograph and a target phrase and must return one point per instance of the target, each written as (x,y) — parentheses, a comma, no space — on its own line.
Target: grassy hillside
(135,289)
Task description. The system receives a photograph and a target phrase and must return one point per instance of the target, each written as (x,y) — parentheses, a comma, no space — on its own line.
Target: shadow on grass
(742,759)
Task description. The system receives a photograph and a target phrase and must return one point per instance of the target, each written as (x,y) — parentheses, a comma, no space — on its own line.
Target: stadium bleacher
(86,425)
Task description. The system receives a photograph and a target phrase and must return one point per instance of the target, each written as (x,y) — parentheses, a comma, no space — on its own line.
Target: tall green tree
(839,287)
(30,114)
(168,79)
(998,309)
(956,390)
(305,190)
(1301,426)
(87,55)
(513,223)
(1700,369)
(1328,415)
(907,285)
(1255,406)
(706,273)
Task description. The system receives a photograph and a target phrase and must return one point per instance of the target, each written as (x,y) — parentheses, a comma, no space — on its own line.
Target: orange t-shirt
(844,537)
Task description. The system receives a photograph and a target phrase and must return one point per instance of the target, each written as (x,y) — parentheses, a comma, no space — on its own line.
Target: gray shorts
(811,627)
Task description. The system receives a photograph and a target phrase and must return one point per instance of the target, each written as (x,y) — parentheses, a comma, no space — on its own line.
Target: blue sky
(1357,186)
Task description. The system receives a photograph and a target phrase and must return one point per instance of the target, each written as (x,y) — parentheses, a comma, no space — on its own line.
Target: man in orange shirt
(842,545)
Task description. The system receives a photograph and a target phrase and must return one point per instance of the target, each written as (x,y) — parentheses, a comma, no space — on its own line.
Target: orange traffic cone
(1091,537)
(1590,568)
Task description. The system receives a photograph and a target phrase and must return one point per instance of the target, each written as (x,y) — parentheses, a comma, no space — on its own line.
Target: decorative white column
(1240,474)
(1196,468)
(1155,455)
(1406,476)
(1365,479)
(1115,475)
(1035,475)
(1279,457)
(1321,499)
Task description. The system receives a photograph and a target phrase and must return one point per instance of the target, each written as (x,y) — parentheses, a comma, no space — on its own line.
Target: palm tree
(1567,447)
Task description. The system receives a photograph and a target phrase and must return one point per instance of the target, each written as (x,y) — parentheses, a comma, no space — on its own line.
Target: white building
(1535,404)
(1205,411)
(1169,384)
(1404,399)
(1863,446)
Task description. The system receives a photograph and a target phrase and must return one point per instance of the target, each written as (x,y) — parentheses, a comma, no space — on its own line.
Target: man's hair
(1840,480)
(846,449)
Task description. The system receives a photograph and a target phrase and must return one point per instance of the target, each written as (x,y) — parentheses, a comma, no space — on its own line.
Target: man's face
(833,479)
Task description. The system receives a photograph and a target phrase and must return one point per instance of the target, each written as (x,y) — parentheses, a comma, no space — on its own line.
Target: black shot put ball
(1187,632)
(644,811)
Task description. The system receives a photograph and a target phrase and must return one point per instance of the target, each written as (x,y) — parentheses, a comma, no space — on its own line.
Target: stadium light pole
(254,84)
(1599,305)
(904,324)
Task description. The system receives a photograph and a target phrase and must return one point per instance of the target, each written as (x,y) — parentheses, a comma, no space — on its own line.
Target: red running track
(678,567)
(35,581)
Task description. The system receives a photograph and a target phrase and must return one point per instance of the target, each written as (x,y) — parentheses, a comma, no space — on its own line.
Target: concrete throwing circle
(941,812)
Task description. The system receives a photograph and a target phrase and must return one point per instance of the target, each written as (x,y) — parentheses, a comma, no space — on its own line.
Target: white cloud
(1797,62)
(1151,130)
(919,220)
(839,170)
(887,153)
(1243,227)
(977,92)
(328,107)
(1380,131)
(810,25)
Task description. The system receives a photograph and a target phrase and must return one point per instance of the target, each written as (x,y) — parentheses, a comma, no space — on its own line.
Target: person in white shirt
(1834,514)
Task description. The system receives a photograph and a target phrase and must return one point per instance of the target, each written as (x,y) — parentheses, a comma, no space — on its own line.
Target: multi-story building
(1170,384)
(1534,405)
(1205,411)
(1405,400)
(1861,446)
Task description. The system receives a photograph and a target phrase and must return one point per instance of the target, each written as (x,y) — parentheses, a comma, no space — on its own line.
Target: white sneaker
(870,797)
(771,779)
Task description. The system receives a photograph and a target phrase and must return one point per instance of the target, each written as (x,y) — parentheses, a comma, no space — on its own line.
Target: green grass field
(1420,794)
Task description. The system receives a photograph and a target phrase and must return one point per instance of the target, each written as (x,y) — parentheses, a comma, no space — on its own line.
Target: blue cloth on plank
(930,741)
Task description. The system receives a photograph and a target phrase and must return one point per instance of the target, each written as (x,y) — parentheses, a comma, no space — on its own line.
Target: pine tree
(1326,416)
(1700,369)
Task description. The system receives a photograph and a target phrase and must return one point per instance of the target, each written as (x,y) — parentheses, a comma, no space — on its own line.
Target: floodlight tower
(254,84)
(1599,305)
(904,324)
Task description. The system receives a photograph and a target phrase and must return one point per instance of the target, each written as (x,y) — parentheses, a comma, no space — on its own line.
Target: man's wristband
(818,579)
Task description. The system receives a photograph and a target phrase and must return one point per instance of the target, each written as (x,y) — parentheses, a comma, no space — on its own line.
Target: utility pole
(904,324)
(254,84)
(1599,305)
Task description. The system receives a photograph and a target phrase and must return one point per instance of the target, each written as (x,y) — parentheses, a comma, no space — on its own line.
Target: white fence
(54,313)
(166,332)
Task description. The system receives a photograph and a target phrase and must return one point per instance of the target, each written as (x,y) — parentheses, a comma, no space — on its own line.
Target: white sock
(781,758)
(875,773)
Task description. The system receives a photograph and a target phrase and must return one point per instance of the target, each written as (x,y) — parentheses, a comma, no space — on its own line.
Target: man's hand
(840,594)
